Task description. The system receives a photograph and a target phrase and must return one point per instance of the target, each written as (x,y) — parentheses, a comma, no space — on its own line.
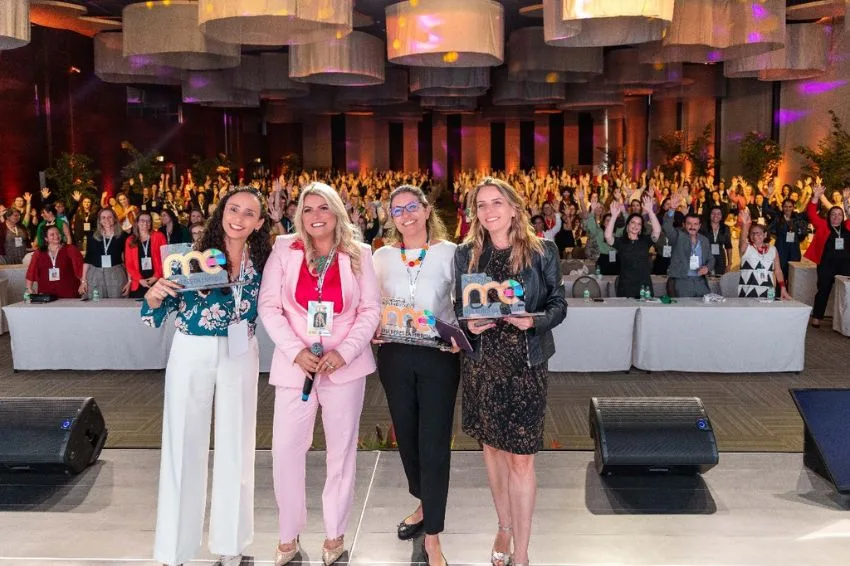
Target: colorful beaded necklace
(416,261)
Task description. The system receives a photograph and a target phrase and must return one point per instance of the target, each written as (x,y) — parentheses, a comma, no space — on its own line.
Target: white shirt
(434,286)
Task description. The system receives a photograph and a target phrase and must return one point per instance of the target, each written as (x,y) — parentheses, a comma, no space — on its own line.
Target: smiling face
(635,227)
(494,210)
(53,236)
(757,235)
(144,222)
(836,217)
(242,216)
(14,217)
(107,220)
(122,200)
(787,208)
(317,217)
(195,217)
(716,216)
(412,219)
(692,225)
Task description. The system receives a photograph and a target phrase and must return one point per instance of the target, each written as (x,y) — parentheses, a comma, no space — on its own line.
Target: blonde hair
(435,226)
(524,243)
(116,228)
(344,232)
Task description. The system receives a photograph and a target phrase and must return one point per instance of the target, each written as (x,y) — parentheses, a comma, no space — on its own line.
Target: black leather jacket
(543,287)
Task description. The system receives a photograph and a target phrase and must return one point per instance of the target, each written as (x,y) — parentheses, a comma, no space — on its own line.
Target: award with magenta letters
(479,302)
(195,270)
(403,323)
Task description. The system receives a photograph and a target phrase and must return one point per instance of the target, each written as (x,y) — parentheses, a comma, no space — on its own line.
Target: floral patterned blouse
(208,313)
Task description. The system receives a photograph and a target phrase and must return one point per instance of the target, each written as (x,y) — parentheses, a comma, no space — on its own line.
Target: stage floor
(752,509)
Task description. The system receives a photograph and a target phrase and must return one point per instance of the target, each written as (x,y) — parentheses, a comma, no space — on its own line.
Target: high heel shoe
(282,557)
(497,557)
(428,558)
(331,555)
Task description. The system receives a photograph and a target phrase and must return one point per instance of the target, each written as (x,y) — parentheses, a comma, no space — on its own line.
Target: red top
(131,258)
(821,225)
(69,261)
(305,291)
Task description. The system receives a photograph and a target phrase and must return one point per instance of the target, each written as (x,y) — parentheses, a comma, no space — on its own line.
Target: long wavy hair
(524,243)
(116,228)
(259,242)
(135,235)
(435,227)
(344,233)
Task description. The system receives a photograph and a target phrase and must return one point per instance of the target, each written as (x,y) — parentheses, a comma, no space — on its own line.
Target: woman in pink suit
(319,287)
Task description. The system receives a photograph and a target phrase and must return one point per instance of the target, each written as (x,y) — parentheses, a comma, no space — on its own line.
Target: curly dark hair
(259,242)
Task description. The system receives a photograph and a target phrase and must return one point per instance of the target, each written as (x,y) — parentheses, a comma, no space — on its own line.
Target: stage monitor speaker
(826,428)
(50,433)
(651,434)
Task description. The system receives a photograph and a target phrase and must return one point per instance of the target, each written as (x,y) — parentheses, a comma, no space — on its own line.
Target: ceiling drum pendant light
(214,88)
(581,98)
(594,23)
(446,33)
(354,60)
(276,82)
(710,31)
(530,58)
(623,68)
(701,81)
(805,56)
(450,103)
(167,32)
(442,81)
(14,24)
(111,66)
(393,91)
(275,22)
(519,93)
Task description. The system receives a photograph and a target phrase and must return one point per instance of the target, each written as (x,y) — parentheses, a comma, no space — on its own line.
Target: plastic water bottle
(643,292)
(598,273)
(27,298)
(771,293)
(95,296)
(586,295)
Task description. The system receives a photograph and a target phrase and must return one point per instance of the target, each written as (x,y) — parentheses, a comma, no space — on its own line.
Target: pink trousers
(293,434)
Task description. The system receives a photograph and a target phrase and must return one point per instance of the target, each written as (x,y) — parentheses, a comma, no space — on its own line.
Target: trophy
(177,266)
(402,323)
(476,300)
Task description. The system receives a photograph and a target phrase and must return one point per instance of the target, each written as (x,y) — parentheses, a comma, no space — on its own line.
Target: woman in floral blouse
(214,356)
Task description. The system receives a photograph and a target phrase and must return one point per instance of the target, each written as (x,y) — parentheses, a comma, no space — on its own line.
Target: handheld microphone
(317,350)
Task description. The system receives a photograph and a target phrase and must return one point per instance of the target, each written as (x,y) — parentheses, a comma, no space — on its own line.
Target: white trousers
(200,370)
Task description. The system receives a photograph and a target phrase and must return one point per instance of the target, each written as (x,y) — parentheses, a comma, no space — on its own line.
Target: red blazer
(815,249)
(131,258)
(69,260)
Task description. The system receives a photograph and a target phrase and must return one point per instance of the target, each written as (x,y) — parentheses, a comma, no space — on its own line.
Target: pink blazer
(286,321)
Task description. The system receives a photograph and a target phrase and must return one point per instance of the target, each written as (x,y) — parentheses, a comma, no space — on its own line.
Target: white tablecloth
(841,314)
(738,335)
(4,290)
(595,336)
(74,335)
(803,283)
(17,276)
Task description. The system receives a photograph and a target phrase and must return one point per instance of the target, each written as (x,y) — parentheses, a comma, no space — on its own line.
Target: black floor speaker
(826,429)
(50,433)
(651,434)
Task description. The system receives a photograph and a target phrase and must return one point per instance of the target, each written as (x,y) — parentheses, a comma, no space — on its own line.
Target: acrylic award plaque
(195,270)
(404,324)
(477,299)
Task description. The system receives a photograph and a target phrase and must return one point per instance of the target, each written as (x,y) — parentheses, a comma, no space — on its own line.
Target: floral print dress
(208,313)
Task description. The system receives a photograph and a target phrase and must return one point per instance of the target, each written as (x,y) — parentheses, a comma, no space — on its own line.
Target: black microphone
(317,350)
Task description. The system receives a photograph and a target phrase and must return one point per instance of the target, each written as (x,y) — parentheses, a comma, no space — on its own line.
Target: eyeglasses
(410,207)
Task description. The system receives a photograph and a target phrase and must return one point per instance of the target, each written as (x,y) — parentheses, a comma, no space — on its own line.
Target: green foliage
(760,157)
(73,172)
(677,151)
(699,153)
(212,167)
(144,164)
(830,160)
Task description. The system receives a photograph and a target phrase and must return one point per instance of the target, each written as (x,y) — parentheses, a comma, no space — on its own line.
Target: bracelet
(781,283)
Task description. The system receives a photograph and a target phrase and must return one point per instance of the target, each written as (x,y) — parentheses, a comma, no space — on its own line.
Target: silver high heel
(282,557)
(503,557)
(331,555)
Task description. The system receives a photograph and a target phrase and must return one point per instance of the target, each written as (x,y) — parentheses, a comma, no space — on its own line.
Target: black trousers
(828,268)
(421,385)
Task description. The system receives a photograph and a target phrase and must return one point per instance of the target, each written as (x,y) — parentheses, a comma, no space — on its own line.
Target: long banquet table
(595,336)
(736,336)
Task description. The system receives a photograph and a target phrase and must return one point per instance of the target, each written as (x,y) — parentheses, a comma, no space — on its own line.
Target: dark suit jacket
(681,255)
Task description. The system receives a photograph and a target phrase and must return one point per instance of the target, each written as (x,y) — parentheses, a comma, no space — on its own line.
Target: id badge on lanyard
(694,265)
(237,332)
(667,250)
(790,237)
(320,314)
(147,261)
(839,244)
(106,259)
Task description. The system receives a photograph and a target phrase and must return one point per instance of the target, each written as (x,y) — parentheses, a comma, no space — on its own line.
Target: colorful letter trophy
(177,266)
(478,304)
(402,323)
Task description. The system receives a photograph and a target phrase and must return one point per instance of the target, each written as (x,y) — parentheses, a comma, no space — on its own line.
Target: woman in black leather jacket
(505,378)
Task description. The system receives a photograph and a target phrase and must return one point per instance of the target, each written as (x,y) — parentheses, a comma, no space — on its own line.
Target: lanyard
(14,230)
(321,282)
(237,289)
(411,281)
(106,244)
(715,234)
(146,246)
(53,258)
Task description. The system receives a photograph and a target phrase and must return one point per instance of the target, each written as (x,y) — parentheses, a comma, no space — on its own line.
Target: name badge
(106,261)
(237,339)
(53,274)
(86,226)
(790,237)
(144,207)
(320,317)
(694,265)
(612,256)
(667,251)
(147,264)
(715,249)
(761,276)
(19,242)
(839,243)
(153,204)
